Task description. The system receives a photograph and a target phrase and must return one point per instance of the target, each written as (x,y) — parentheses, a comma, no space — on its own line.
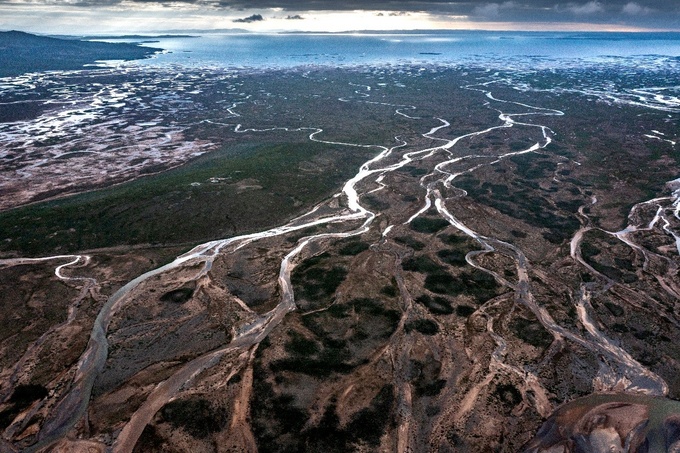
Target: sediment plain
(396,258)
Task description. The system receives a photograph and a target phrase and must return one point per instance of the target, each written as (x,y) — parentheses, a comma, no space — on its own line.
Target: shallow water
(443,47)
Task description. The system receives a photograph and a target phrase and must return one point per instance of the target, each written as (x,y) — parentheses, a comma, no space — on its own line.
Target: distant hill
(141,37)
(23,52)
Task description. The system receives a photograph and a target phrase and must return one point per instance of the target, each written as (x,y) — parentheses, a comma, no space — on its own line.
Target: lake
(496,49)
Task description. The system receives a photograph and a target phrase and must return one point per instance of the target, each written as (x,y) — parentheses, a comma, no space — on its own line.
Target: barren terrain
(376,259)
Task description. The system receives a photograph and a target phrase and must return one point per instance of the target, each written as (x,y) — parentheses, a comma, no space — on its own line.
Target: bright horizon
(130,16)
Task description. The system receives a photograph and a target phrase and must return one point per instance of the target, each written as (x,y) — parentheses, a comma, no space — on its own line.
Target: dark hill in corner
(23,52)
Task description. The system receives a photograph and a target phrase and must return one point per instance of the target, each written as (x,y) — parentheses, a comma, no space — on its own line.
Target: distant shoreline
(94,37)
(23,52)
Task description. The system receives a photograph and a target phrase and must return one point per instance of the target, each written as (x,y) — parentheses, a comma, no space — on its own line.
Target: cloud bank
(290,14)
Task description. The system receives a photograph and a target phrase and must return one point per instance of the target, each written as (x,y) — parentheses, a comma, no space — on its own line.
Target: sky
(156,16)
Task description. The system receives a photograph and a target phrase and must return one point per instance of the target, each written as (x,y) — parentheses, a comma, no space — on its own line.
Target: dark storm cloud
(445,6)
(432,6)
(646,13)
(250,19)
(649,13)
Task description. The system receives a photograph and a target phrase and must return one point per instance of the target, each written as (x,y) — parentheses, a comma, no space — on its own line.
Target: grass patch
(508,395)
(329,352)
(23,396)
(444,283)
(166,208)
(354,248)
(196,416)
(364,429)
(455,240)
(316,282)
(464,310)
(300,345)
(273,415)
(531,332)
(428,225)
(421,264)
(476,283)
(390,291)
(414,171)
(424,326)
(425,377)
(374,203)
(524,200)
(368,425)
(408,241)
(431,388)
(436,305)
(614,309)
(453,257)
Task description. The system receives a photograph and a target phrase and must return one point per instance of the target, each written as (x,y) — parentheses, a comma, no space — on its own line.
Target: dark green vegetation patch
(428,225)
(457,240)
(436,305)
(614,309)
(615,263)
(196,416)
(444,283)
(424,326)
(459,247)
(410,242)
(421,264)
(508,395)
(390,291)
(279,425)
(531,331)
(464,310)
(476,283)
(354,248)
(262,187)
(414,171)
(425,377)
(316,279)
(329,348)
(525,200)
(23,396)
(301,346)
(452,256)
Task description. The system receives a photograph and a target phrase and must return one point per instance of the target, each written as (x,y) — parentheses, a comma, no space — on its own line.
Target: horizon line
(175,32)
